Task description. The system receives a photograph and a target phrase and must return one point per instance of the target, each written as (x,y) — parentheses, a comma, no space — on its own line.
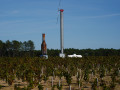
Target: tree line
(16,48)
(27,48)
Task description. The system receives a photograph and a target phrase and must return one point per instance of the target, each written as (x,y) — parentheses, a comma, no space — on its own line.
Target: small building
(76,56)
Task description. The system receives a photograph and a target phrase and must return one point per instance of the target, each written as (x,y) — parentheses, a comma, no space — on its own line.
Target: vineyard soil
(87,73)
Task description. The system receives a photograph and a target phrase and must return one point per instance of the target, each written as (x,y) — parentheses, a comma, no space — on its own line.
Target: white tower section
(61,35)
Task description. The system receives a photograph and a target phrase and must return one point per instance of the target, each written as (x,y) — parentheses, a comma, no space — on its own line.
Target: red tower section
(61,10)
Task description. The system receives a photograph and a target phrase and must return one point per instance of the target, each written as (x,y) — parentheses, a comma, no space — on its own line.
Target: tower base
(62,55)
(44,56)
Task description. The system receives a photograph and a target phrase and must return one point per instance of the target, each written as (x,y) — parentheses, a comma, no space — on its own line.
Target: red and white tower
(61,34)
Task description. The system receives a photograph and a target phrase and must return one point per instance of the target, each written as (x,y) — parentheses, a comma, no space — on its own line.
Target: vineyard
(34,73)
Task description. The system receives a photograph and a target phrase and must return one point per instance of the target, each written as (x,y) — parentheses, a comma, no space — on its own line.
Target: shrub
(59,87)
(40,87)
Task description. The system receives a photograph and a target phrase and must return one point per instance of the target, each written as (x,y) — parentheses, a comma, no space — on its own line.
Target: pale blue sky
(87,23)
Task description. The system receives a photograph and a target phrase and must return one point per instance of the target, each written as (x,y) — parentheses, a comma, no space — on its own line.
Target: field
(87,73)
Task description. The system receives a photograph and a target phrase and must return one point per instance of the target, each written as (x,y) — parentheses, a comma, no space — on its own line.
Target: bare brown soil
(74,86)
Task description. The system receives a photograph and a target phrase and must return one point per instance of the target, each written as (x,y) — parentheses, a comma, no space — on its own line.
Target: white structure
(74,55)
(61,35)
(44,56)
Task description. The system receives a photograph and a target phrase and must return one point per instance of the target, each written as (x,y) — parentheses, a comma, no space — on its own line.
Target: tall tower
(61,35)
(43,45)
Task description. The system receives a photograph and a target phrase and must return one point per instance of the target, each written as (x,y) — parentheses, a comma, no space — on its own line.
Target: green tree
(31,47)
(94,85)
(15,47)
(68,78)
(9,47)
(1,48)
(40,87)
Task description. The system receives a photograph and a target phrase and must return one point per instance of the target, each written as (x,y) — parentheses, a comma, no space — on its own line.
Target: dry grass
(74,86)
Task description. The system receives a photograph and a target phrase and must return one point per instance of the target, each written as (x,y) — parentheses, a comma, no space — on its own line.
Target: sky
(87,23)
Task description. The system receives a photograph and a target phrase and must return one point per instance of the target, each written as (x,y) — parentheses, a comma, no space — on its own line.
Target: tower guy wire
(58,11)
(59,4)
